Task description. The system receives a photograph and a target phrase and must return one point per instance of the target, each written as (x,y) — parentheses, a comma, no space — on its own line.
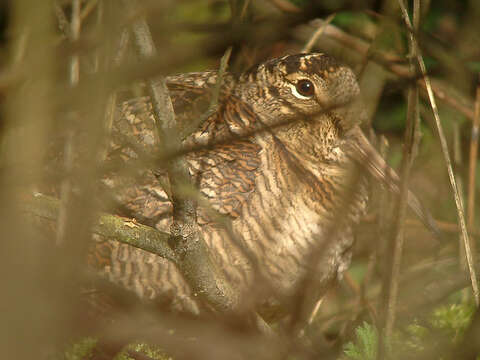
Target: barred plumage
(276,166)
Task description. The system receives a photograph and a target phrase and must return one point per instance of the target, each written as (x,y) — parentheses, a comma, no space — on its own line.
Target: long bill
(370,159)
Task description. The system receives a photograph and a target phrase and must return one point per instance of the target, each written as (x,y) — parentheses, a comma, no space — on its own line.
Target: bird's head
(298,86)
(317,88)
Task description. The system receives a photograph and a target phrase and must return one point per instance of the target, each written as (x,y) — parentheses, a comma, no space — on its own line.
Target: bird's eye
(305,88)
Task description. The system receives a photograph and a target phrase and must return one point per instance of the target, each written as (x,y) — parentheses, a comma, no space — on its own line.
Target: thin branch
(122,48)
(389,61)
(361,301)
(316,35)
(213,106)
(383,198)
(315,310)
(451,228)
(243,12)
(410,148)
(124,230)
(285,6)
(381,221)
(112,99)
(473,161)
(75,25)
(196,265)
(69,148)
(63,23)
(88,8)
(457,162)
(446,154)
(31,290)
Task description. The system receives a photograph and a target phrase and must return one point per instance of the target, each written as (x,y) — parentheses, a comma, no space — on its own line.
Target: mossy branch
(121,229)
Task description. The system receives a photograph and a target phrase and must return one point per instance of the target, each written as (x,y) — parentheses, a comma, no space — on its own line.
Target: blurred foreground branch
(442,91)
(112,227)
(196,264)
(397,238)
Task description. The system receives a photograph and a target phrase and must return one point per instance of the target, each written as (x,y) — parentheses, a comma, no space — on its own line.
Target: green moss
(354,22)
(390,117)
(453,319)
(474,66)
(445,325)
(365,345)
(80,349)
(151,351)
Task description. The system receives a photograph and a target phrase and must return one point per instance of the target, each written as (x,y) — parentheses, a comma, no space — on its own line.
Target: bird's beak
(367,156)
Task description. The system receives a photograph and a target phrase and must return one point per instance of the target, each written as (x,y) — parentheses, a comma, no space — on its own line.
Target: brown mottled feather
(283,189)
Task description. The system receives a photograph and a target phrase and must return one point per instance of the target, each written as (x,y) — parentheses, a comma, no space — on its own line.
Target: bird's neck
(317,140)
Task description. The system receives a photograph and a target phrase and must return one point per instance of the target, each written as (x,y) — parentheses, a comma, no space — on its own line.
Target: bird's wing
(191,93)
(222,165)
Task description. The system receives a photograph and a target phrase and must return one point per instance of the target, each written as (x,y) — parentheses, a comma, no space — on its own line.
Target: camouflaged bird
(280,158)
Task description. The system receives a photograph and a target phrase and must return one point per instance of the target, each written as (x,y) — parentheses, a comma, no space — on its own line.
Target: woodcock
(282,159)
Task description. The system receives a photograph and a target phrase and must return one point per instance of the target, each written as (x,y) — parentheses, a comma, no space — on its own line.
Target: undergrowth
(441,328)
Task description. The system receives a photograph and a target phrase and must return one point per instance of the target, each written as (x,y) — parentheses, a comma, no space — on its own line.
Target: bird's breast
(293,211)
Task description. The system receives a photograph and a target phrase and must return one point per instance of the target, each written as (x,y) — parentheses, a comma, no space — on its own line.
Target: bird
(283,159)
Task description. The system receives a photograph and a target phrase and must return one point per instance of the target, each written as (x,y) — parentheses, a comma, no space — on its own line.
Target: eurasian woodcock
(283,159)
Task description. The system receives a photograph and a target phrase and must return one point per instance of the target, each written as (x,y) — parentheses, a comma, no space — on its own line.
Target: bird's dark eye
(305,88)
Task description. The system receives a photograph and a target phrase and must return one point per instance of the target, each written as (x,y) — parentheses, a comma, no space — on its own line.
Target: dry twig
(124,230)
(473,161)
(213,106)
(285,6)
(443,142)
(316,35)
(411,141)
(74,75)
(196,265)
(390,62)
(88,8)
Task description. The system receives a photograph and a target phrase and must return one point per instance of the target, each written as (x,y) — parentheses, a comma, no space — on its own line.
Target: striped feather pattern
(289,191)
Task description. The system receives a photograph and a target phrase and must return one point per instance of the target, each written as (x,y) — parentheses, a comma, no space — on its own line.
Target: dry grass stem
(63,23)
(285,6)
(410,148)
(243,12)
(473,161)
(73,34)
(316,35)
(390,62)
(88,8)
(213,106)
(446,154)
